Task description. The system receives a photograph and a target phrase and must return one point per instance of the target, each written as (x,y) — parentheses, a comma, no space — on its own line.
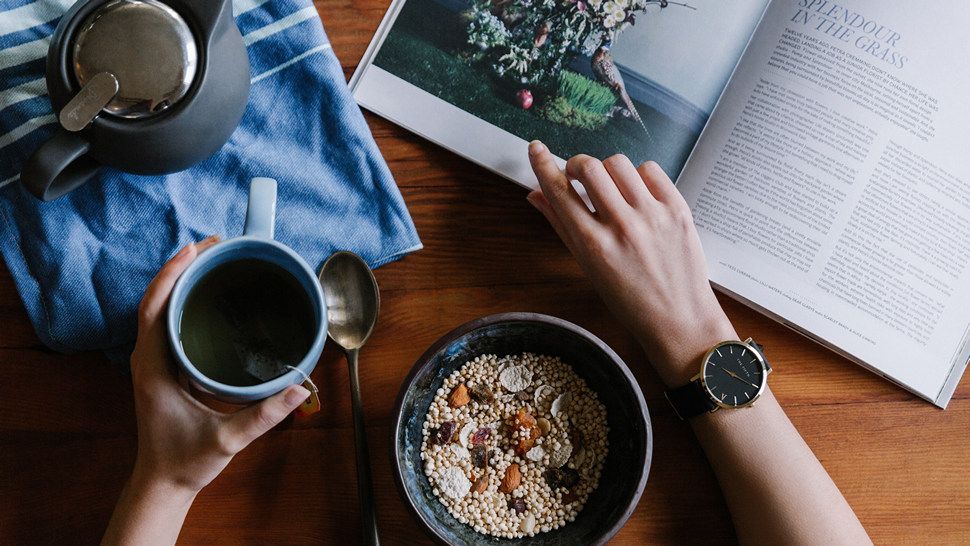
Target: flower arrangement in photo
(527,45)
(527,42)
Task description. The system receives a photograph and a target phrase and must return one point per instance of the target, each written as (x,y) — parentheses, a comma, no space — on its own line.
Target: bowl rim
(490,320)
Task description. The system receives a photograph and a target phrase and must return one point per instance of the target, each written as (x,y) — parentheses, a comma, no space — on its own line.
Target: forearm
(776,489)
(149,512)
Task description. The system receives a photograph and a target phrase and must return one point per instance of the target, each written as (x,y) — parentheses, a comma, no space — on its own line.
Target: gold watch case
(765,368)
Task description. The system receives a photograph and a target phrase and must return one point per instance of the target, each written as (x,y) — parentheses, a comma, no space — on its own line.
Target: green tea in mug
(245,321)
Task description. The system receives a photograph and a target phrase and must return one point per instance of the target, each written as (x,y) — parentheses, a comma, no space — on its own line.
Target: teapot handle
(58,166)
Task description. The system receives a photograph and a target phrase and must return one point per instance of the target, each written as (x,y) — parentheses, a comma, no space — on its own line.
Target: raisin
(517,505)
(482,394)
(523,396)
(553,477)
(479,456)
(481,435)
(569,497)
(445,432)
(569,477)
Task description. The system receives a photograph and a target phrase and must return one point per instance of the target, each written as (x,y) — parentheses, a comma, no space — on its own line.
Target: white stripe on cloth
(292,19)
(31,15)
(24,53)
(242,6)
(24,91)
(26,128)
(294,60)
(10,180)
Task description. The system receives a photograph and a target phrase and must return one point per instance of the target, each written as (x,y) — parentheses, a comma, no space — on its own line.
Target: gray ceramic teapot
(144,86)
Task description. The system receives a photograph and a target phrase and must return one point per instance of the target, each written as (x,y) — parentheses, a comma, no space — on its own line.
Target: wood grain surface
(67,430)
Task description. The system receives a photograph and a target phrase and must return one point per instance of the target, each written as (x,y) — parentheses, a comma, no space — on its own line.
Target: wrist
(677,354)
(145,483)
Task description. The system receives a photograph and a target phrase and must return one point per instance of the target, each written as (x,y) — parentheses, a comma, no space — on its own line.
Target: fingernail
(296,395)
(209,239)
(531,198)
(536,147)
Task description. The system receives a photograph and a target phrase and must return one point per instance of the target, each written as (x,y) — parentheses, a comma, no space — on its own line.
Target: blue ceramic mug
(255,243)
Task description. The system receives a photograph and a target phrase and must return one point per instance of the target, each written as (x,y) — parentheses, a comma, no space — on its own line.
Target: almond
(512,479)
(480,485)
(459,397)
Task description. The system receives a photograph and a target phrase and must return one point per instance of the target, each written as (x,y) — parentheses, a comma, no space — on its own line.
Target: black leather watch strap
(690,400)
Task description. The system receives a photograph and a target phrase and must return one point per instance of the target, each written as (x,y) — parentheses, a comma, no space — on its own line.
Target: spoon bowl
(353,299)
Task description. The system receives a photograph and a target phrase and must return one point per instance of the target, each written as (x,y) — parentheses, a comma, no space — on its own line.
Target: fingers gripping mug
(248,317)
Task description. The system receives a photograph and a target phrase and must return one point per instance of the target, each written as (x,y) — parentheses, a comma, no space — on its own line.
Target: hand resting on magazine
(642,253)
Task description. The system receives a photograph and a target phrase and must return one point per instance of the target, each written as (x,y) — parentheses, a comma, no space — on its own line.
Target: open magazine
(822,146)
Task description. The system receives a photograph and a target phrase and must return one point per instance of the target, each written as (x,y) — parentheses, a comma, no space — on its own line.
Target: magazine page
(484,77)
(832,188)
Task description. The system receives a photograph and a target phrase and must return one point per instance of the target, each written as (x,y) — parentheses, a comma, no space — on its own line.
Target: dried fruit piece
(544,425)
(481,435)
(523,396)
(569,497)
(528,441)
(459,397)
(523,419)
(512,479)
(515,378)
(443,435)
(482,394)
(517,505)
(480,485)
(569,477)
(553,477)
(560,477)
(479,456)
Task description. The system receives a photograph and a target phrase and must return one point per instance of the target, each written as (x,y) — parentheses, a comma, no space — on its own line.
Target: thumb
(250,423)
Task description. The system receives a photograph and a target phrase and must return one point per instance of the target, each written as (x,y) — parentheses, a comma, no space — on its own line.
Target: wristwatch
(733,375)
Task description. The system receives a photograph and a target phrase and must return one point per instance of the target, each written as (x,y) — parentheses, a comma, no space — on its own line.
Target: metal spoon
(353,302)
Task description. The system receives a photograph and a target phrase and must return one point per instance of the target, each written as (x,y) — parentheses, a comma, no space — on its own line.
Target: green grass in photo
(579,102)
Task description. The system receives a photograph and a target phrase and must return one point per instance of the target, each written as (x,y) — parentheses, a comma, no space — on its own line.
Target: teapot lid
(147,46)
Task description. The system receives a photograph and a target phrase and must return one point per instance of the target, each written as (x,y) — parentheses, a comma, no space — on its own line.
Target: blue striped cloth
(82,262)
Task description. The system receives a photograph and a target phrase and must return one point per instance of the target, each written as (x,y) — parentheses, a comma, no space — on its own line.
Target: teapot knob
(147,46)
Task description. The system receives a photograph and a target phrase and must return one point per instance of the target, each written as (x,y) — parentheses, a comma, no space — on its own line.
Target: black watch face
(733,374)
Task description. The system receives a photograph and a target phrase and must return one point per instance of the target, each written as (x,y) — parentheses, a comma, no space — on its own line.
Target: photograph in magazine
(638,77)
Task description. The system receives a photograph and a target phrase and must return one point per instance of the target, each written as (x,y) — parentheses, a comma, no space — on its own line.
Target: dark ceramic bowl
(630,438)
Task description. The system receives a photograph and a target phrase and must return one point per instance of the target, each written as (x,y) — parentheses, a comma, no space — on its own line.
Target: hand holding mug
(182,442)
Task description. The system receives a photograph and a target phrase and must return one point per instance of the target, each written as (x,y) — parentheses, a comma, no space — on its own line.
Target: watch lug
(696,377)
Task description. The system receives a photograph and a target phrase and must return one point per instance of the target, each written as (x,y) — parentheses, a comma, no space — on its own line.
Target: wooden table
(67,430)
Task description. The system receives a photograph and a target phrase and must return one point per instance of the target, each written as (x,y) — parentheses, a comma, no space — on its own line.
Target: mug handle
(58,166)
(261,213)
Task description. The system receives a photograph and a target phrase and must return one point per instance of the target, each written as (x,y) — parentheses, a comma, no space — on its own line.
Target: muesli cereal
(514,446)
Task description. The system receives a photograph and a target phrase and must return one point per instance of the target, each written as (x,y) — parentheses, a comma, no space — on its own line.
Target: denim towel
(82,262)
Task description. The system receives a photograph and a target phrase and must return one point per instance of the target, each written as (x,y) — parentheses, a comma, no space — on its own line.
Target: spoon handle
(365,488)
